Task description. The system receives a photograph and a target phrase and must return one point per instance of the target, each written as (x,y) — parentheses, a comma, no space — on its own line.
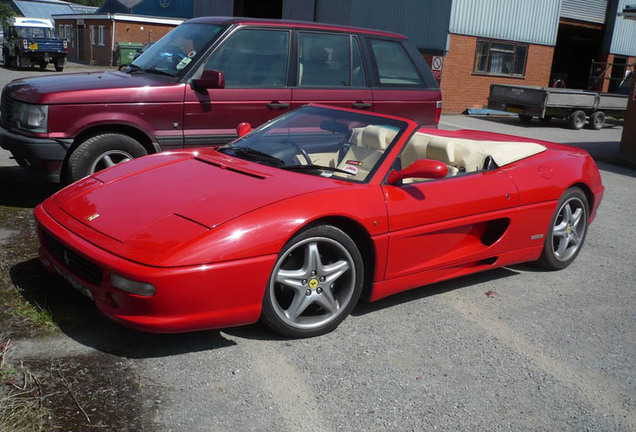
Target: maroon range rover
(195,85)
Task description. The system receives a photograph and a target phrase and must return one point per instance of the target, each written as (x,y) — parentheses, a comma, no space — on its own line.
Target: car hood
(148,207)
(95,87)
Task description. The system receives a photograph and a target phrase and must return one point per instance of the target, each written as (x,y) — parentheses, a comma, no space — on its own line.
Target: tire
(315,283)
(567,231)
(597,120)
(58,67)
(525,118)
(42,65)
(577,120)
(100,152)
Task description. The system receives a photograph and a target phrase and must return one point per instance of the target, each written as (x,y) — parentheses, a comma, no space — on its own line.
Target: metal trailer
(575,106)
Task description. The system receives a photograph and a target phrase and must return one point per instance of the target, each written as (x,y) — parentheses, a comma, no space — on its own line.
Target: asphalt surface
(551,351)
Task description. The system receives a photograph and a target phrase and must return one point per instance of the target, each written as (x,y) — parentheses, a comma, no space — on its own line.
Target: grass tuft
(21,397)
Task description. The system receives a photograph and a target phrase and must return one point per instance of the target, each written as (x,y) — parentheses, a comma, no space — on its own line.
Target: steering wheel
(300,151)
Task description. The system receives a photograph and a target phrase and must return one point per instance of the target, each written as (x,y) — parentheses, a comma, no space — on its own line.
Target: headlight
(32,118)
(131,286)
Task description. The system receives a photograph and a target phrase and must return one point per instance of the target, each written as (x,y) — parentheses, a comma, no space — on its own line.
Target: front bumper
(42,154)
(188,298)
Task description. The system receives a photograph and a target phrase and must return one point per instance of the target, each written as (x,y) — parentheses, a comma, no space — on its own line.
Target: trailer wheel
(577,119)
(59,64)
(525,118)
(597,120)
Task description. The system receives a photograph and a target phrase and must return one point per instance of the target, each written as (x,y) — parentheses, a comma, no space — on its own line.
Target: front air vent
(495,229)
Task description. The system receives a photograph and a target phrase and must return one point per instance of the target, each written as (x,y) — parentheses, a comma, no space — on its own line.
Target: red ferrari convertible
(295,221)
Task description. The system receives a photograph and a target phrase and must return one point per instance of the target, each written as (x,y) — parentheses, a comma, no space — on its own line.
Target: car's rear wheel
(100,152)
(567,230)
(577,119)
(316,282)
(42,65)
(59,64)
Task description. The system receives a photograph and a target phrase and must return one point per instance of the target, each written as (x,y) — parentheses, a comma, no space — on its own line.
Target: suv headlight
(32,118)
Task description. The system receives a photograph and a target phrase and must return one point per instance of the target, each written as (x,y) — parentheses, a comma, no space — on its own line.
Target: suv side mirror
(210,79)
(421,168)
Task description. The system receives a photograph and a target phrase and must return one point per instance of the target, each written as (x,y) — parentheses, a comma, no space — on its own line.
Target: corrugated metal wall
(333,11)
(425,22)
(624,34)
(299,9)
(585,10)
(532,21)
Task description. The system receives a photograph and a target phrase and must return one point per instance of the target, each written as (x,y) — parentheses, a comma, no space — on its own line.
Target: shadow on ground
(79,318)
(21,188)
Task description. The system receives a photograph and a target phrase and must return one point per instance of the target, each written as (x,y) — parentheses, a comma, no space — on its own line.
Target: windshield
(35,32)
(174,53)
(321,141)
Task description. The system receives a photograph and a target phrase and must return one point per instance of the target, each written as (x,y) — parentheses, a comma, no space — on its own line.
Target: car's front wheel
(100,152)
(316,282)
(567,230)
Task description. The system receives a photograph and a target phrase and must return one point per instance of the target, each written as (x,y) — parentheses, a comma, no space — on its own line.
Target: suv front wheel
(100,152)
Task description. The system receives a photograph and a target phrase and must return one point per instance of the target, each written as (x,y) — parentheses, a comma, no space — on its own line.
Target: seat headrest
(441,149)
(377,137)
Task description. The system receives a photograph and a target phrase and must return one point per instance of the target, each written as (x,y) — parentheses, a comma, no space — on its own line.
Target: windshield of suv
(321,141)
(174,53)
(35,32)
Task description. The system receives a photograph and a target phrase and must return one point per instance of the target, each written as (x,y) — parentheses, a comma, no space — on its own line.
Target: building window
(61,32)
(67,32)
(496,58)
(101,35)
(92,35)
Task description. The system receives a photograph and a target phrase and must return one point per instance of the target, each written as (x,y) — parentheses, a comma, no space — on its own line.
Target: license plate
(75,284)
(33,46)
(515,110)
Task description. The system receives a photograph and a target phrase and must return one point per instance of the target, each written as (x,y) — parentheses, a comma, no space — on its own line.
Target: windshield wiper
(253,155)
(131,67)
(152,70)
(313,167)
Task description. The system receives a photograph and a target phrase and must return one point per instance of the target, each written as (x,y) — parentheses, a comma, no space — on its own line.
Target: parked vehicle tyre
(525,118)
(577,119)
(42,65)
(100,152)
(315,283)
(59,65)
(567,230)
(597,120)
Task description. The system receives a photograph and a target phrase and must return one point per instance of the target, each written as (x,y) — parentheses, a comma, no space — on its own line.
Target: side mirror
(421,168)
(243,129)
(210,79)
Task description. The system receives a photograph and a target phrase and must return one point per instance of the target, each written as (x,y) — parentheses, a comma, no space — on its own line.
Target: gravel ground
(552,351)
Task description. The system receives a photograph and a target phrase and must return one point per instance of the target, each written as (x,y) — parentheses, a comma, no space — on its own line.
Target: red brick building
(94,38)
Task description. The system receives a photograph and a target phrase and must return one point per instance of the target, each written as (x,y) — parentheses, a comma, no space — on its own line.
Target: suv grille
(78,266)
(6,110)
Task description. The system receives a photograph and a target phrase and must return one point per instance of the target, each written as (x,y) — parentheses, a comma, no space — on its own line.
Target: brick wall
(462,89)
(83,51)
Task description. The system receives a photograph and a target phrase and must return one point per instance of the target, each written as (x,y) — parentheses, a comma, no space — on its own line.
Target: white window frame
(100,35)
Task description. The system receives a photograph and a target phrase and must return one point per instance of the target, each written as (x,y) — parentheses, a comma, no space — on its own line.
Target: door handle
(361,105)
(277,105)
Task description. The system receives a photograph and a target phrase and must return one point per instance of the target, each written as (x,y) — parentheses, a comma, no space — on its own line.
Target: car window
(253,58)
(394,66)
(324,60)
